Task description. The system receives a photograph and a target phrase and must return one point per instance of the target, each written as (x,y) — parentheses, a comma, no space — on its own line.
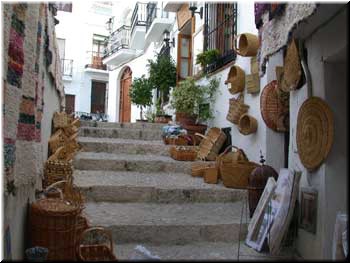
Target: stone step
(110,186)
(132,133)
(168,223)
(129,162)
(130,125)
(200,251)
(109,145)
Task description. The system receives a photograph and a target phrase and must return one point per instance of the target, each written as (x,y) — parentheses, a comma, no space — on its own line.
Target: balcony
(118,49)
(138,26)
(67,69)
(96,61)
(157,21)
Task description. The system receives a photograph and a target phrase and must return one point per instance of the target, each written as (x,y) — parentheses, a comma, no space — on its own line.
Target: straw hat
(292,72)
(315,130)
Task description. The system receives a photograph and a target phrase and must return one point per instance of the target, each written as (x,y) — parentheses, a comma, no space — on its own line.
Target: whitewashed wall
(78,28)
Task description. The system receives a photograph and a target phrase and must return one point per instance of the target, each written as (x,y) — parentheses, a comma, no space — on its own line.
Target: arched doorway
(124,102)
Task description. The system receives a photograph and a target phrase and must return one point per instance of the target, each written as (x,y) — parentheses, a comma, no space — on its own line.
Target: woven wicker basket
(274,107)
(198,168)
(254,67)
(211,175)
(178,140)
(248,45)
(58,139)
(184,153)
(247,124)
(236,77)
(235,168)
(53,225)
(237,109)
(76,123)
(56,170)
(95,244)
(211,144)
(253,83)
(60,120)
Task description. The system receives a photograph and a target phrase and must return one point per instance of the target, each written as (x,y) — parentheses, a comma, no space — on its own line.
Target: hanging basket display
(247,124)
(248,45)
(315,131)
(292,68)
(253,83)
(274,106)
(236,77)
(237,109)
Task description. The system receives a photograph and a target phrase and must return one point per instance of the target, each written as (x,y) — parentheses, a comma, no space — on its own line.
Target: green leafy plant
(141,93)
(150,115)
(162,75)
(195,100)
(207,57)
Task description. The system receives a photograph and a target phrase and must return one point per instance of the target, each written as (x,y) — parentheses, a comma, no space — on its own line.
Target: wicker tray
(184,153)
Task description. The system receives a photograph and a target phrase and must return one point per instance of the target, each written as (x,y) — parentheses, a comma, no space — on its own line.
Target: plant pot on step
(162,118)
(184,118)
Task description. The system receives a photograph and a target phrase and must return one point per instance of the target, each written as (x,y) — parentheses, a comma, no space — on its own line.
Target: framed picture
(308,209)
(258,226)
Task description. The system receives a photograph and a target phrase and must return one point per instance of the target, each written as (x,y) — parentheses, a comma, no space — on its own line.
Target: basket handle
(54,185)
(234,45)
(237,149)
(204,137)
(94,228)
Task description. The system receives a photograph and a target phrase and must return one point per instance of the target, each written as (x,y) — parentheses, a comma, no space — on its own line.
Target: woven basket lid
(315,130)
(292,72)
(274,113)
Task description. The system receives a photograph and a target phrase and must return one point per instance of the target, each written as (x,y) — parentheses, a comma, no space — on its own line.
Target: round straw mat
(273,112)
(314,132)
(292,72)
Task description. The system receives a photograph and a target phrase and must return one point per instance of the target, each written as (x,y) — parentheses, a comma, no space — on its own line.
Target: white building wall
(77,28)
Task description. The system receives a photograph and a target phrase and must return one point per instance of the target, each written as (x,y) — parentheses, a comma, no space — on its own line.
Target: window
(63,6)
(219,31)
(184,56)
(98,45)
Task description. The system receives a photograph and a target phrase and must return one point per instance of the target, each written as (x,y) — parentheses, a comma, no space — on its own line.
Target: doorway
(98,96)
(124,101)
(70,103)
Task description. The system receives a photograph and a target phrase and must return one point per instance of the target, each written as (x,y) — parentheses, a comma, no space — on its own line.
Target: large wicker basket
(211,144)
(184,153)
(53,225)
(237,109)
(95,244)
(248,45)
(235,168)
(236,77)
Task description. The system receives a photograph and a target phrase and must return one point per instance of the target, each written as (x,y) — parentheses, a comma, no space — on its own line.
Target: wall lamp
(193,8)
(166,39)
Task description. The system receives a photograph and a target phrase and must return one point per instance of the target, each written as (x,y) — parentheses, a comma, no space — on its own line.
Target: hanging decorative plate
(315,130)
(292,72)
(274,107)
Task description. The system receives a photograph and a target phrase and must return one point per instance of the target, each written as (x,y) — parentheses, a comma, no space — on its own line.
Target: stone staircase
(144,197)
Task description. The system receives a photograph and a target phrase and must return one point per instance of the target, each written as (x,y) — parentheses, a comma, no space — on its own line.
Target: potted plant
(195,101)
(207,57)
(141,94)
(162,76)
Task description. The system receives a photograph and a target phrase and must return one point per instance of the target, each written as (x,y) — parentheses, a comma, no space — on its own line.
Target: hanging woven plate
(315,130)
(273,107)
(292,72)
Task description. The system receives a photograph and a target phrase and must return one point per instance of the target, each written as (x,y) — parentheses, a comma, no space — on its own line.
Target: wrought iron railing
(117,40)
(139,16)
(219,31)
(154,12)
(67,67)
(96,60)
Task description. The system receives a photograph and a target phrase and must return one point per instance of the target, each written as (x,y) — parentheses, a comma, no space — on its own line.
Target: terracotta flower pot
(185,118)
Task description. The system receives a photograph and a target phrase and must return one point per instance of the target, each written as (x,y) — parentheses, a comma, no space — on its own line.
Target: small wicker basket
(95,244)
(236,77)
(56,170)
(58,139)
(60,120)
(253,83)
(198,168)
(184,153)
(247,124)
(237,109)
